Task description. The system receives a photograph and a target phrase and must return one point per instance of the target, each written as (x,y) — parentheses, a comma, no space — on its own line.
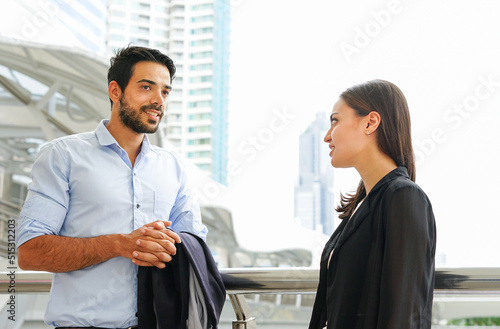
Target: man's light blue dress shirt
(85,186)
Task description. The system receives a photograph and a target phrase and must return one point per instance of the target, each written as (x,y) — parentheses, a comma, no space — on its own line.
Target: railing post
(242,311)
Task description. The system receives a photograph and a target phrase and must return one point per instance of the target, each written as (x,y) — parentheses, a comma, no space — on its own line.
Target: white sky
(288,62)
(287,56)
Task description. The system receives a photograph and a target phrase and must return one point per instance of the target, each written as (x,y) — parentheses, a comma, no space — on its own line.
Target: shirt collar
(396,173)
(105,138)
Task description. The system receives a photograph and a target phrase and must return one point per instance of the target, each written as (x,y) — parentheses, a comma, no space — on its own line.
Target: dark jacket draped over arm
(163,296)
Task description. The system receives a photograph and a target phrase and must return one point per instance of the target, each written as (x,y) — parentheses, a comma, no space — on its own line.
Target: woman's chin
(337,164)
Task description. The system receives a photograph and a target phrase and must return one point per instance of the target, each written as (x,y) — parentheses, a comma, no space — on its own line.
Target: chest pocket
(162,206)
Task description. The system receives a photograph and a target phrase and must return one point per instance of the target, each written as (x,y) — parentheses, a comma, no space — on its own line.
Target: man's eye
(146,87)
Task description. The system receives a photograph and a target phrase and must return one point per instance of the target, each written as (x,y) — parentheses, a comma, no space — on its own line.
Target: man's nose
(158,99)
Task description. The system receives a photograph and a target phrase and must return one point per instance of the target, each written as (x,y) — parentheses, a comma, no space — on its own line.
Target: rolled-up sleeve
(47,201)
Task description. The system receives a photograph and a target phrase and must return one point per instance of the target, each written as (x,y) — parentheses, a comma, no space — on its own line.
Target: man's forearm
(55,253)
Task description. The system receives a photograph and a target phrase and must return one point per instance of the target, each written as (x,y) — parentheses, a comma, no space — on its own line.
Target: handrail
(10,205)
(240,281)
(301,280)
(282,280)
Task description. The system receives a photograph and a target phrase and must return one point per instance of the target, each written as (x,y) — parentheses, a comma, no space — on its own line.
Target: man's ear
(114,92)
(372,122)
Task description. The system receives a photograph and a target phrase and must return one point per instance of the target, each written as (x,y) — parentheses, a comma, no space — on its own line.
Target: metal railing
(240,281)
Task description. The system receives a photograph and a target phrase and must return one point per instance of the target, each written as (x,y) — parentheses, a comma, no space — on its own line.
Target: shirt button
(138,205)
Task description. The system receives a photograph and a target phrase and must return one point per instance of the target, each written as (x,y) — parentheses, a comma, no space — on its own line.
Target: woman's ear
(372,122)
(114,92)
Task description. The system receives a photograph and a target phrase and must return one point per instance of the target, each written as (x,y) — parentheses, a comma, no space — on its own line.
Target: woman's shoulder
(403,188)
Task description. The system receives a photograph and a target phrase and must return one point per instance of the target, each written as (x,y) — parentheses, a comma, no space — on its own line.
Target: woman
(377,269)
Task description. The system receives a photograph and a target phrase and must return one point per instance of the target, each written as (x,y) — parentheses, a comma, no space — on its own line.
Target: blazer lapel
(359,216)
(364,209)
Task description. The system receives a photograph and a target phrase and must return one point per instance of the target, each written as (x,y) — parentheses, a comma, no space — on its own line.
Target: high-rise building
(195,34)
(314,204)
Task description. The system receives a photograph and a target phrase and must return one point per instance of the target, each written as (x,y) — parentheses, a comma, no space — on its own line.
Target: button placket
(137,199)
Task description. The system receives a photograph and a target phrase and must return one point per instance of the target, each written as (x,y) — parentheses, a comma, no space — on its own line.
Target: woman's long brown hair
(393,132)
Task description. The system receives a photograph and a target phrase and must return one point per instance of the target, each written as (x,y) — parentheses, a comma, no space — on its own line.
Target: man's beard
(131,117)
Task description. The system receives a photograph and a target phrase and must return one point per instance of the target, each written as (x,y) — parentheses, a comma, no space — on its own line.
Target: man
(100,202)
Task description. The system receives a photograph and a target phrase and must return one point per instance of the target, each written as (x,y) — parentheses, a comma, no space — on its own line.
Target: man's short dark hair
(122,64)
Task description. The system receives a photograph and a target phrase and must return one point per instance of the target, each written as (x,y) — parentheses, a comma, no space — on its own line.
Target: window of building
(199,129)
(118,26)
(117,13)
(139,29)
(176,93)
(178,20)
(177,56)
(161,9)
(204,54)
(175,105)
(175,142)
(141,5)
(177,9)
(204,91)
(204,78)
(140,18)
(200,104)
(200,116)
(161,33)
(202,30)
(204,6)
(199,154)
(199,19)
(201,67)
(139,42)
(178,32)
(160,45)
(200,43)
(199,141)
(117,37)
(204,166)
(174,118)
(178,43)
(174,130)
(161,21)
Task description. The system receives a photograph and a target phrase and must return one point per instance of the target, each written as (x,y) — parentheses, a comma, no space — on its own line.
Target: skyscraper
(314,204)
(195,34)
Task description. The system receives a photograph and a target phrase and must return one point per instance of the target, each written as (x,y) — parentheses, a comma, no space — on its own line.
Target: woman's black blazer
(381,271)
